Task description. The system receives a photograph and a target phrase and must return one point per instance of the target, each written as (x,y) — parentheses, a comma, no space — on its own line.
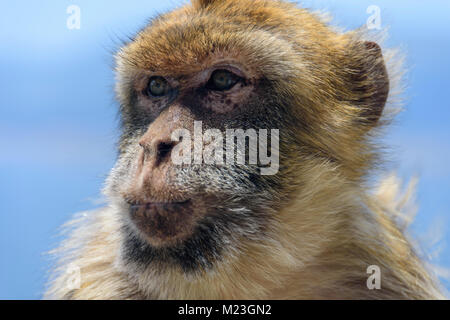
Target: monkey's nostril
(164,149)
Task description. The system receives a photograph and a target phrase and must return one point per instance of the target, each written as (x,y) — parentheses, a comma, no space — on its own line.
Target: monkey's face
(213,71)
(168,201)
(188,214)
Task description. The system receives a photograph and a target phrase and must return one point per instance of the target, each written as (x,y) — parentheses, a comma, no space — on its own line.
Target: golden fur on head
(322,240)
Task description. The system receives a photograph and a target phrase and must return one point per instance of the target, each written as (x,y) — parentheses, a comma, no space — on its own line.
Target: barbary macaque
(299,104)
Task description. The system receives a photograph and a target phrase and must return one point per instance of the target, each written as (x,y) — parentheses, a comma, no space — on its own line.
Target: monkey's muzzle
(164,223)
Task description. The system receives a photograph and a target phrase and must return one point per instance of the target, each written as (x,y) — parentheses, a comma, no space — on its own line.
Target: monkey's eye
(222,80)
(157,87)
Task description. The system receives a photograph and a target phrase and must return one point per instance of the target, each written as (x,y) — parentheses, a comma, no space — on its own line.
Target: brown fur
(322,240)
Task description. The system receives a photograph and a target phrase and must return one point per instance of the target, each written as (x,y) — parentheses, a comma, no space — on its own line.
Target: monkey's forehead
(264,36)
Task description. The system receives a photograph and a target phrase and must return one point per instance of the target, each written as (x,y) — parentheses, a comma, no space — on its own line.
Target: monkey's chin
(165,224)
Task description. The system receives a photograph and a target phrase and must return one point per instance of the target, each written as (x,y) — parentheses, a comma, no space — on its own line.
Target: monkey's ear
(369,81)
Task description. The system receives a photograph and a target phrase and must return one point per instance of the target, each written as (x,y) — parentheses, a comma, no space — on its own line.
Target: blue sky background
(58,123)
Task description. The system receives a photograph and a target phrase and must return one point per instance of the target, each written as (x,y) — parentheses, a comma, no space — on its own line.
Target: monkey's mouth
(165,223)
(147,205)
